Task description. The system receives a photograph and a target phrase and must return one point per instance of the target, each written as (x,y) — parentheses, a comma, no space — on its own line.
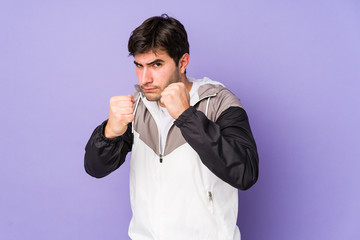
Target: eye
(156,65)
(138,65)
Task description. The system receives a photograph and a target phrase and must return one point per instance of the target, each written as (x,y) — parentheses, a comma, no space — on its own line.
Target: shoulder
(225,98)
(219,97)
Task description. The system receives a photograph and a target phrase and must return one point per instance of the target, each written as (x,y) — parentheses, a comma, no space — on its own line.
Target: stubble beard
(157,96)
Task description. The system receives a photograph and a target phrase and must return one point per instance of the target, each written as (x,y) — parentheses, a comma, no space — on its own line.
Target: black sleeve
(226,147)
(104,155)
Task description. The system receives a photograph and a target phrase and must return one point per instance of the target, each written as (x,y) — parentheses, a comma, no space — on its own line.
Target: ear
(183,62)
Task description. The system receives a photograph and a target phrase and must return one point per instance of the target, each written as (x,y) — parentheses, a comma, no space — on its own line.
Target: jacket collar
(208,88)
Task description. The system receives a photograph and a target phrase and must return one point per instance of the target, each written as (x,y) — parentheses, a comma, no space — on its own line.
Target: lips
(149,89)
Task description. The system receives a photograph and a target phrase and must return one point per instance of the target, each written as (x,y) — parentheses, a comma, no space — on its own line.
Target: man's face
(155,72)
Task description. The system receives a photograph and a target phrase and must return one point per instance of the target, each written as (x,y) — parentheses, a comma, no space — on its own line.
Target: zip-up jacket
(188,190)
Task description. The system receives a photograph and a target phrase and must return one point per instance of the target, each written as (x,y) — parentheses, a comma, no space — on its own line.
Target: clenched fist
(120,115)
(176,99)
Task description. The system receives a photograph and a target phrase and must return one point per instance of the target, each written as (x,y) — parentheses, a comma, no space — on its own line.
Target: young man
(191,143)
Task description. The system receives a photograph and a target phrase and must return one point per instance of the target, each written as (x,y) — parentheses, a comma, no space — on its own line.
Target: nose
(146,76)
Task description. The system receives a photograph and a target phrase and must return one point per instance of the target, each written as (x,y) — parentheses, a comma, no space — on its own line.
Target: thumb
(162,101)
(131,98)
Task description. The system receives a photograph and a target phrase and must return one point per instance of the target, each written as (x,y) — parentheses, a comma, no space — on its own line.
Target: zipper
(210,196)
(210,202)
(161,151)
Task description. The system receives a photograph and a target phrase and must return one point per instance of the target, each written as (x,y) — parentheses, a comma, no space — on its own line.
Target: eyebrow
(151,63)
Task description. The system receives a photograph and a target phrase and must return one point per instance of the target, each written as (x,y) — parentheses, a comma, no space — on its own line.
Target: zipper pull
(210,196)
(161,158)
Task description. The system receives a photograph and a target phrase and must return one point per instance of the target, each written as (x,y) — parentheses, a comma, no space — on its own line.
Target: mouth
(149,89)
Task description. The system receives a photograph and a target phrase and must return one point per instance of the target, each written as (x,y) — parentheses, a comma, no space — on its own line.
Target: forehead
(150,56)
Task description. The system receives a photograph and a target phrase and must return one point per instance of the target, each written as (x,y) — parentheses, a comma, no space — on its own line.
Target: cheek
(160,78)
(139,75)
(166,74)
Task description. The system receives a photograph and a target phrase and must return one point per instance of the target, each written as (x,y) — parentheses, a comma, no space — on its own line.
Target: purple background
(294,64)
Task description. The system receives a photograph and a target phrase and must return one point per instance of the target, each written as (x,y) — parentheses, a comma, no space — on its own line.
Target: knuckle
(129,111)
(120,117)
(112,99)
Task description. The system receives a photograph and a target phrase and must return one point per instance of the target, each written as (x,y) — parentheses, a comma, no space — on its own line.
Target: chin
(151,97)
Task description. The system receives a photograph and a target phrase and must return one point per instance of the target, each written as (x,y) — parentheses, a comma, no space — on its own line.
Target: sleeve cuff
(102,134)
(182,119)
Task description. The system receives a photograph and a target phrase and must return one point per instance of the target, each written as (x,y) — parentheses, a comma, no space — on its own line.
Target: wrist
(183,118)
(108,133)
(181,112)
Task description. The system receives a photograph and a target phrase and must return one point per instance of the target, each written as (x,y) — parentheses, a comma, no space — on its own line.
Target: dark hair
(160,33)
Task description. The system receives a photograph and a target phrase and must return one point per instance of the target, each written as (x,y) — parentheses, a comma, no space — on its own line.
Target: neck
(186,82)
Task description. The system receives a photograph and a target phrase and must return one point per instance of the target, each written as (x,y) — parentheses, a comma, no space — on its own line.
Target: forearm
(226,147)
(104,155)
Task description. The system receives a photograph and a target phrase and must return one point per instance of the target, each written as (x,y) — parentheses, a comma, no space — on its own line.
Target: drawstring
(136,106)
(207,106)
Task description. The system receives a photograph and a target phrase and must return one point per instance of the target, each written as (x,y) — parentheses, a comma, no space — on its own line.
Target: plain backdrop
(295,65)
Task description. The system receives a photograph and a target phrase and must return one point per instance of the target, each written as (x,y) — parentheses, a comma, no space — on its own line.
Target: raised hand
(120,115)
(176,99)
